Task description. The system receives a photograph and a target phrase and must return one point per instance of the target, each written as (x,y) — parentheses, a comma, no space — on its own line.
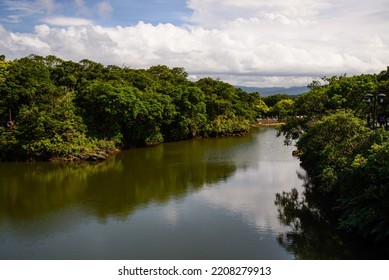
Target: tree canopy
(345,157)
(62,108)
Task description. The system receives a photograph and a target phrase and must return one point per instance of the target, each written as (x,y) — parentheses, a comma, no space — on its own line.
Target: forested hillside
(52,108)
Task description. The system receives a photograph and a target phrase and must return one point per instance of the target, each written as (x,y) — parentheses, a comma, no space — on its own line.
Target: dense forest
(341,130)
(56,109)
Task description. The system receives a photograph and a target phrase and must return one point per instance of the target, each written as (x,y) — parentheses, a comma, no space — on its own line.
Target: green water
(202,199)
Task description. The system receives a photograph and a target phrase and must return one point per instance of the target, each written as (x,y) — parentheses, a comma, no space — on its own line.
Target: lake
(201,199)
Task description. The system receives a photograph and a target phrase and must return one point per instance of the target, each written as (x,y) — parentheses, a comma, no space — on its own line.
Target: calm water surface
(202,199)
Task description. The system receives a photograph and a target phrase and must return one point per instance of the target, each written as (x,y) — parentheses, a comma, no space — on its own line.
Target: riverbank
(92,156)
(268,122)
(104,154)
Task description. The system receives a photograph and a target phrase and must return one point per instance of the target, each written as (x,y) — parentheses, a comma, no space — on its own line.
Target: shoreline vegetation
(93,156)
(101,155)
(341,131)
(57,110)
(274,122)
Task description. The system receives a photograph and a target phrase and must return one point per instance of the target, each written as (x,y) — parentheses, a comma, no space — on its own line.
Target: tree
(283,108)
(272,100)
(365,193)
(118,105)
(259,107)
(66,74)
(163,74)
(108,108)
(191,117)
(4,65)
(27,81)
(52,131)
(329,146)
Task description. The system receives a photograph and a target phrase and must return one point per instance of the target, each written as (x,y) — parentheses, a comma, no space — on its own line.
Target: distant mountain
(266,91)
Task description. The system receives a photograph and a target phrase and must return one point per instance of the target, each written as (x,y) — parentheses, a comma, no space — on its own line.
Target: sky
(261,43)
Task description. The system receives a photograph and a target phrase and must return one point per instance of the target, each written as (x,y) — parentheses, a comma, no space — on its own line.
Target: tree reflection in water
(116,187)
(314,234)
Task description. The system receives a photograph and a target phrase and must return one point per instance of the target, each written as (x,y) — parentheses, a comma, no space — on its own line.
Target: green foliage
(108,107)
(226,106)
(51,131)
(189,117)
(349,168)
(313,103)
(273,99)
(9,145)
(260,107)
(329,146)
(347,162)
(365,193)
(349,92)
(283,108)
(62,108)
(228,124)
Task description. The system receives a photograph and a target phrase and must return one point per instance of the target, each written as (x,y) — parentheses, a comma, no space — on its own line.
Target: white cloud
(66,21)
(247,42)
(14,45)
(245,204)
(217,12)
